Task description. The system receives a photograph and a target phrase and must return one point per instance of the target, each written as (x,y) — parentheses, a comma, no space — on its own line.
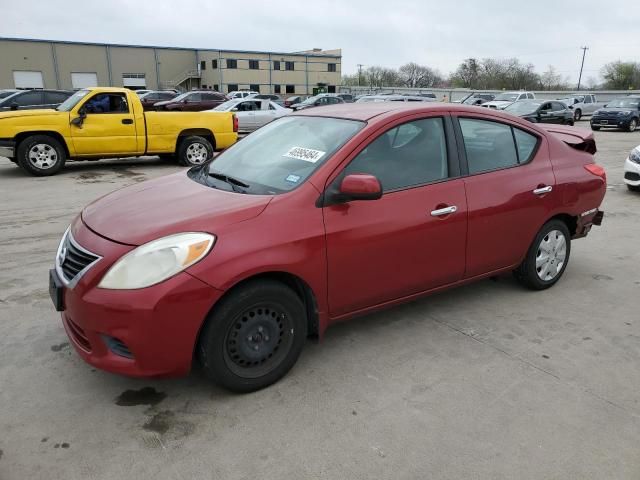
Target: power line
(360,65)
(584,52)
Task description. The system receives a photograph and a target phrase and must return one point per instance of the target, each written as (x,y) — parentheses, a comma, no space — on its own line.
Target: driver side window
(107,103)
(411,154)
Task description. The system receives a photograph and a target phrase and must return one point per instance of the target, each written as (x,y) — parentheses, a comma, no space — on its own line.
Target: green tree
(621,75)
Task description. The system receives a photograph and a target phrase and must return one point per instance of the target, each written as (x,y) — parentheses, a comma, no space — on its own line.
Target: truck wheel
(41,155)
(253,337)
(577,115)
(632,125)
(547,257)
(194,150)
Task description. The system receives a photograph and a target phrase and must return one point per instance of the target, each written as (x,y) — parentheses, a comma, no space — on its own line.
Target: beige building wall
(133,60)
(27,56)
(77,58)
(169,65)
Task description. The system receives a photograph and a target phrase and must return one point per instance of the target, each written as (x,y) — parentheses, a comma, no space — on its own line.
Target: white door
(83,80)
(24,79)
(265,114)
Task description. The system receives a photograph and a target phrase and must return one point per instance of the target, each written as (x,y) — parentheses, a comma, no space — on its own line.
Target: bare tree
(419,76)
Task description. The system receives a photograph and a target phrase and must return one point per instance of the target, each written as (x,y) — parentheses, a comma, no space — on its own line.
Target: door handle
(444,211)
(543,190)
(127,121)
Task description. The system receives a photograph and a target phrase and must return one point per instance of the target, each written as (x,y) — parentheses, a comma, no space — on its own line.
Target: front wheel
(253,337)
(633,188)
(594,128)
(41,155)
(577,115)
(194,150)
(547,257)
(632,125)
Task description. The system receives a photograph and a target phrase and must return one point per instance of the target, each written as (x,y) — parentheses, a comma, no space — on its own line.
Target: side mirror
(359,186)
(234,109)
(79,120)
(605,105)
(14,106)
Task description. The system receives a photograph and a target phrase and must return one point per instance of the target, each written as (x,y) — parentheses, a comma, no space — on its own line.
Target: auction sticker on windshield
(306,154)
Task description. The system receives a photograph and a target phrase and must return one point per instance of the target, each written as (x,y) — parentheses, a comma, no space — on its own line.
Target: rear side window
(29,99)
(55,97)
(492,145)
(410,154)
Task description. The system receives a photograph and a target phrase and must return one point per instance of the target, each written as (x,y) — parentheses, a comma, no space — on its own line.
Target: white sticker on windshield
(306,154)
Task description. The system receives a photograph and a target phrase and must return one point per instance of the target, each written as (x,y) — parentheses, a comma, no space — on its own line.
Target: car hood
(614,110)
(30,113)
(165,102)
(497,103)
(172,204)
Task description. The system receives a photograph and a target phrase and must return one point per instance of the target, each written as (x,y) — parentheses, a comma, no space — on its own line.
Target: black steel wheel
(253,336)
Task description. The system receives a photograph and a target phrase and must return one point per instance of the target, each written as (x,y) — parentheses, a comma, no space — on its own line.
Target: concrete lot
(489,381)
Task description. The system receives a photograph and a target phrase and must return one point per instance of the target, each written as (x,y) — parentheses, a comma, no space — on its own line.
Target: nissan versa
(315,218)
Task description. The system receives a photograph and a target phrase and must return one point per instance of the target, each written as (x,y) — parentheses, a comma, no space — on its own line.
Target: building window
(291,89)
(331,67)
(331,89)
(254,87)
(288,65)
(276,64)
(203,65)
(215,87)
(276,89)
(231,63)
(232,87)
(254,64)
(214,63)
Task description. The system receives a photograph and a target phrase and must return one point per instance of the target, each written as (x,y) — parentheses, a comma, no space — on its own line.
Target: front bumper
(631,173)
(7,148)
(611,122)
(149,332)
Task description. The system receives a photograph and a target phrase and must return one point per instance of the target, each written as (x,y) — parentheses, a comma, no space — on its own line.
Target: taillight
(235,123)
(597,170)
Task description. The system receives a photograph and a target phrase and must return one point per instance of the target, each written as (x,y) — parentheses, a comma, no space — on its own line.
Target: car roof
(367,111)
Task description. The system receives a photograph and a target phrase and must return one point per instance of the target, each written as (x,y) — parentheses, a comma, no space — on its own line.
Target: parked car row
(32,99)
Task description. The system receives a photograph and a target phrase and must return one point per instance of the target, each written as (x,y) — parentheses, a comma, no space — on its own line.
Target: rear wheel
(194,150)
(632,125)
(547,257)
(41,155)
(577,115)
(254,336)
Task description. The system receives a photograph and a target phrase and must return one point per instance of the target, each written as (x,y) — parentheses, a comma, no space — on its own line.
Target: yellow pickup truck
(102,122)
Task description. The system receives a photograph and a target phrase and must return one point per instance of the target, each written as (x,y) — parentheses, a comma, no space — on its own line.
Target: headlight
(158,260)
(625,112)
(634,156)
(597,112)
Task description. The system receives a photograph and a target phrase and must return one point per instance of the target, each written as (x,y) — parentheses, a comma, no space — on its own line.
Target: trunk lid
(578,138)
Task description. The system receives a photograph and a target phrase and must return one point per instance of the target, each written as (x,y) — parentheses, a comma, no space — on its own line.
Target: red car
(195,101)
(313,219)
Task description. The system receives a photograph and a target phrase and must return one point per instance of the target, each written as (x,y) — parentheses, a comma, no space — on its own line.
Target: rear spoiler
(578,138)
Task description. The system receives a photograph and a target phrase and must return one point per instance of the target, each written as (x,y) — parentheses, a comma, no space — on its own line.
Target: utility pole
(359,72)
(584,52)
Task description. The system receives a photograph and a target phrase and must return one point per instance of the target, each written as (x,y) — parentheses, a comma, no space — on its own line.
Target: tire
(41,155)
(633,188)
(194,150)
(531,273)
(577,115)
(633,123)
(594,128)
(253,337)
(570,123)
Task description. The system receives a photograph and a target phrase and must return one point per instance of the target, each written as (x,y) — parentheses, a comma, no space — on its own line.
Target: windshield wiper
(234,182)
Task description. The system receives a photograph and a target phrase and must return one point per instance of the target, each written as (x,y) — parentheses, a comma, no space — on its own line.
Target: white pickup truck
(581,104)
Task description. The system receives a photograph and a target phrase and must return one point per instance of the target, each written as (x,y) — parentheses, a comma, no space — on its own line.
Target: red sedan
(313,219)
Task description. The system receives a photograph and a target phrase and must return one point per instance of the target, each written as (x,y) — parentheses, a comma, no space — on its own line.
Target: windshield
(182,96)
(7,93)
(522,108)
(226,106)
(471,100)
(281,155)
(506,97)
(311,99)
(72,101)
(624,103)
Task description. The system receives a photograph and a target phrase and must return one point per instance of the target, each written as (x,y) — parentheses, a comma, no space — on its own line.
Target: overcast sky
(372,32)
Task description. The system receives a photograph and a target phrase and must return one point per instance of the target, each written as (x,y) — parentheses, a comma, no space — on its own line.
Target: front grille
(78,335)
(633,176)
(73,259)
(117,346)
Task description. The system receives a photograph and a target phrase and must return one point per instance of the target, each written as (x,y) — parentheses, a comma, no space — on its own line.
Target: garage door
(84,80)
(135,80)
(23,79)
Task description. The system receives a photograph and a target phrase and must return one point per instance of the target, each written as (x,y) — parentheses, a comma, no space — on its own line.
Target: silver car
(252,113)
